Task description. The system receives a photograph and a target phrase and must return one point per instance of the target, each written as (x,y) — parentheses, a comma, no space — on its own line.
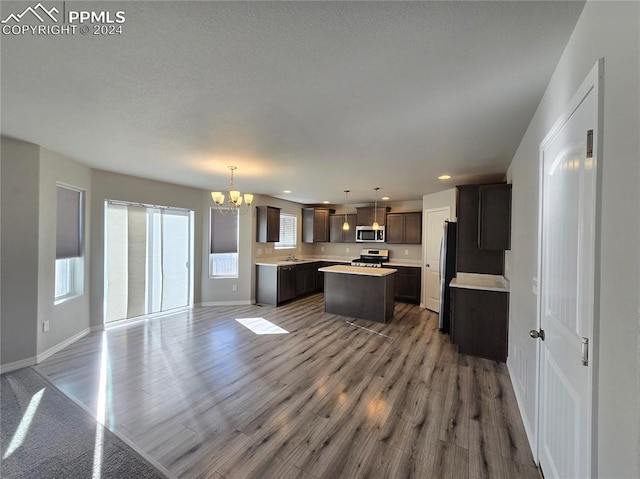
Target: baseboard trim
(23,363)
(60,346)
(525,421)
(244,302)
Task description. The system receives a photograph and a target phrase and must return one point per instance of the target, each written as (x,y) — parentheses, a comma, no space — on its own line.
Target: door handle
(585,351)
(536,334)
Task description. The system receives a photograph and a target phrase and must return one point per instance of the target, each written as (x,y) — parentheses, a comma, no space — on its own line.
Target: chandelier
(233,201)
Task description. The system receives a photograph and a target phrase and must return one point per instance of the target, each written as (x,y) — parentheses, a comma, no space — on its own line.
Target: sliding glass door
(148,257)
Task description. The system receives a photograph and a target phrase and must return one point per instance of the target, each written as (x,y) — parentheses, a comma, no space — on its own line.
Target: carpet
(44,434)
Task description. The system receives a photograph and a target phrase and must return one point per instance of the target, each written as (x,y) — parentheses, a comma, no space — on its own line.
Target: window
(223,258)
(69,266)
(288,230)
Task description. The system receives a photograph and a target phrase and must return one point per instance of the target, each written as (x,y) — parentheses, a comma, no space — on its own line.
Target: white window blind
(288,230)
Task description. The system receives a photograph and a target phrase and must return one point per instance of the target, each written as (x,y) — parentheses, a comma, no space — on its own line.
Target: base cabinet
(479,322)
(407,283)
(277,284)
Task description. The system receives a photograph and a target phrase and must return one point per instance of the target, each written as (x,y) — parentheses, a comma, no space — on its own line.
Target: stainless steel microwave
(366,234)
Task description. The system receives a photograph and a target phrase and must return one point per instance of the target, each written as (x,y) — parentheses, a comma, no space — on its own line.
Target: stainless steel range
(372,258)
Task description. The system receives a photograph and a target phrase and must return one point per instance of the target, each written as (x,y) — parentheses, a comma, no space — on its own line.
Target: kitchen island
(359,292)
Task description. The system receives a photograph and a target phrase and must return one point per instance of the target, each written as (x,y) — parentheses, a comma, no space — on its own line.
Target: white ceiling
(315,97)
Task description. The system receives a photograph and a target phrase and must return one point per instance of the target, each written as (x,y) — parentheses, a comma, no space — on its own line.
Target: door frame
(425,231)
(592,82)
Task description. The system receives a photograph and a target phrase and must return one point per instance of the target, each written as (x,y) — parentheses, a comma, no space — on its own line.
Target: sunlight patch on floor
(25,423)
(261,326)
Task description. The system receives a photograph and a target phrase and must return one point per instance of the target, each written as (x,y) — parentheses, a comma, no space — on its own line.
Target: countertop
(286,262)
(486,282)
(361,270)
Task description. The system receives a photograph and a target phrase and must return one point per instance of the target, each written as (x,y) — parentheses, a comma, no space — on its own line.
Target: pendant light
(375,225)
(345,225)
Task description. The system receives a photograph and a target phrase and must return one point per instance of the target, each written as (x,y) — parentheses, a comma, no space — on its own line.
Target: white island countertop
(361,270)
(485,282)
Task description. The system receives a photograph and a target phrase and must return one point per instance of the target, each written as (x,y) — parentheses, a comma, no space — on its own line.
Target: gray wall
(19,171)
(70,317)
(113,186)
(609,30)
(441,199)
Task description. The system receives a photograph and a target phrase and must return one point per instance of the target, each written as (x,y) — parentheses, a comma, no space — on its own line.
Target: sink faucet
(291,257)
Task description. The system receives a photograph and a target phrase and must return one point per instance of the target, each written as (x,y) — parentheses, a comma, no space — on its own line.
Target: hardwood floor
(209,398)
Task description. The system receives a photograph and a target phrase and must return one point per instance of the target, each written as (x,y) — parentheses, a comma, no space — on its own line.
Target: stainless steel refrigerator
(447,273)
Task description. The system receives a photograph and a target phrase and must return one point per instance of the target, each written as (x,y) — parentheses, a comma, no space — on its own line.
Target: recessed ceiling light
(286,191)
(325,202)
(385,198)
(444,177)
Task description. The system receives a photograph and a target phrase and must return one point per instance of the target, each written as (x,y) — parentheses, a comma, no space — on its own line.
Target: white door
(567,293)
(435,219)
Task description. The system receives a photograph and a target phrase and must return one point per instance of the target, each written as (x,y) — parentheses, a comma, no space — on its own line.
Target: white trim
(425,245)
(242,302)
(521,407)
(23,363)
(60,346)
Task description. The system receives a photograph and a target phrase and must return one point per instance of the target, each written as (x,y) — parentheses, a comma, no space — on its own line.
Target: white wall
(19,171)
(609,30)
(71,317)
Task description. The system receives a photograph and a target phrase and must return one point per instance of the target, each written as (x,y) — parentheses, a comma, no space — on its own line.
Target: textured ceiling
(314,97)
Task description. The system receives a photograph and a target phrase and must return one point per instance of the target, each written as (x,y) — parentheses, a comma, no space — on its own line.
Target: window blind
(68,223)
(224,232)
(288,227)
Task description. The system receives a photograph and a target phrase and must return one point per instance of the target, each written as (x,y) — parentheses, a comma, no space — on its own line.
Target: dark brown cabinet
(337,234)
(494,217)
(367,215)
(315,225)
(469,257)
(407,283)
(479,322)
(277,284)
(404,228)
(306,278)
(268,224)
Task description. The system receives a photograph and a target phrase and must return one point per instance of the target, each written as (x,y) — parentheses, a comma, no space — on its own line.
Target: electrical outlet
(45,326)
(347,250)
(234,287)
(406,252)
(259,251)
(322,249)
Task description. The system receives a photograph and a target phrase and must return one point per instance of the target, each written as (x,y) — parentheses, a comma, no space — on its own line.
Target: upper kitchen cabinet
(404,228)
(367,215)
(315,225)
(268,224)
(494,217)
(337,234)
(470,258)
